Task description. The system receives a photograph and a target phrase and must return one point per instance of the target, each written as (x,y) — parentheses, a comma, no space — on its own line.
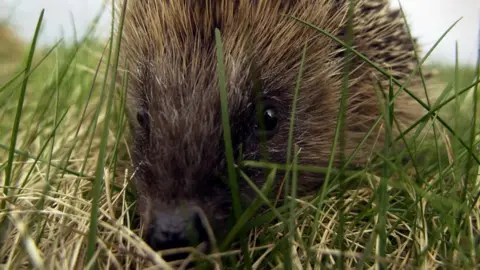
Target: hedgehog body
(174,101)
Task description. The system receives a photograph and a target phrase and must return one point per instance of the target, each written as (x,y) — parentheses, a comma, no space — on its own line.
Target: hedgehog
(174,105)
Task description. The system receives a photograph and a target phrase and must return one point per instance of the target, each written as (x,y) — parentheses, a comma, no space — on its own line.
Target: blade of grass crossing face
(232,177)
(301,168)
(97,185)
(226,125)
(261,196)
(16,124)
(291,220)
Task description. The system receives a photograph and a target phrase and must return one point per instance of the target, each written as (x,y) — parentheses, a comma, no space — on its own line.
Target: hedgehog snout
(176,228)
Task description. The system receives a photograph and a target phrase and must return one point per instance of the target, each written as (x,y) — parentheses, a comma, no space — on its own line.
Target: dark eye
(270,121)
(143,119)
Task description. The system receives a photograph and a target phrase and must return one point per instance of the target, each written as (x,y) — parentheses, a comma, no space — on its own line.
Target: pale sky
(429,19)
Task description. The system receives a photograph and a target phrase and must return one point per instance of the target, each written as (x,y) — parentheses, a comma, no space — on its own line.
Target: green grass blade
(97,185)
(8,170)
(232,176)
(226,126)
(291,221)
(245,217)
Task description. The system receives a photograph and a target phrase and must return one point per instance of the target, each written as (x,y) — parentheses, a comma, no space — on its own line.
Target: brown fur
(170,50)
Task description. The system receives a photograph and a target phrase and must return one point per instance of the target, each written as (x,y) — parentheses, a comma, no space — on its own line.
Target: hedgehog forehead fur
(169,50)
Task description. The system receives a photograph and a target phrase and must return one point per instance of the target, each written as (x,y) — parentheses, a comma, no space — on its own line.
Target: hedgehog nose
(170,230)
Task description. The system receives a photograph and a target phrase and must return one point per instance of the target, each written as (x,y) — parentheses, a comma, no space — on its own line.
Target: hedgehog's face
(179,154)
(179,151)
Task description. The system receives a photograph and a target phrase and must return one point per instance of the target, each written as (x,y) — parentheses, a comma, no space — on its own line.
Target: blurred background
(429,20)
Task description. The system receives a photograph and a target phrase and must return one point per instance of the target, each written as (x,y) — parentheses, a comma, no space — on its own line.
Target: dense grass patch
(64,162)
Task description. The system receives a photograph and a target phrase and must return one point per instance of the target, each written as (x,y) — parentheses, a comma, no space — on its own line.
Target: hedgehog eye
(143,119)
(270,121)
